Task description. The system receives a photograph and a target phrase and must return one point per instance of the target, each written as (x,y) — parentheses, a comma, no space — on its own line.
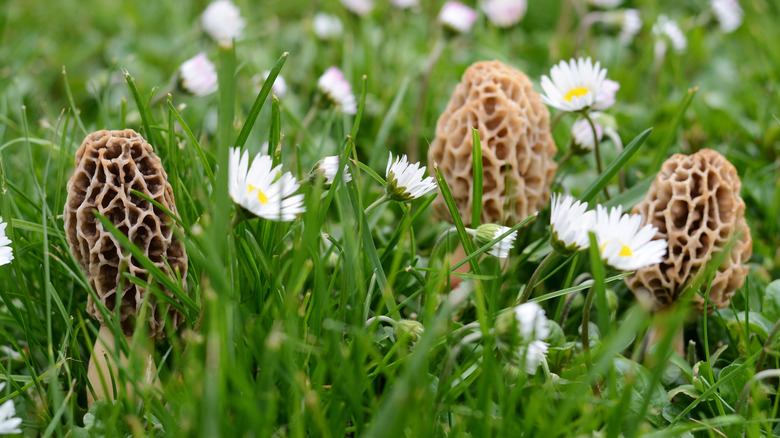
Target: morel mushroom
(109,165)
(695,204)
(517,147)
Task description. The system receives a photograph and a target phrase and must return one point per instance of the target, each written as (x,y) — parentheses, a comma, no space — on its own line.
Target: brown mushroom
(695,204)
(517,147)
(109,165)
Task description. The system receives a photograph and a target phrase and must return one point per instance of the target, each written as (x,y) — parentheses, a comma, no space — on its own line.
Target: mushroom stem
(103,371)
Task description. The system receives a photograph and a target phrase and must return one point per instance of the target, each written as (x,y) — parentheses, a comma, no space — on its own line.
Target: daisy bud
(569,224)
(6,251)
(198,76)
(329,167)
(457,17)
(333,85)
(222,21)
(728,13)
(404,4)
(326,26)
(504,13)
(405,181)
(409,328)
(488,232)
(359,7)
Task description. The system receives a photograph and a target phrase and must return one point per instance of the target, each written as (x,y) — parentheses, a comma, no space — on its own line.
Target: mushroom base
(103,371)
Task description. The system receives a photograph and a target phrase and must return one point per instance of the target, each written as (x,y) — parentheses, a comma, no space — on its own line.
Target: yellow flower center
(576,92)
(625,251)
(260,195)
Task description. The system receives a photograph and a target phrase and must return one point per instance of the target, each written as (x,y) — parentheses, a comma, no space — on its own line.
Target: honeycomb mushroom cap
(109,164)
(517,147)
(695,204)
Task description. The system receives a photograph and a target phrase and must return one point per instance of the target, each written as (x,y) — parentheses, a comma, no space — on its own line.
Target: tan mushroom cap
(517,147)
(695,204)
(109,164)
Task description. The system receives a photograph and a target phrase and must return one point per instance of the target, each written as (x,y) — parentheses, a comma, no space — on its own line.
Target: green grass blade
(615,166)
(257,106)
(476,168)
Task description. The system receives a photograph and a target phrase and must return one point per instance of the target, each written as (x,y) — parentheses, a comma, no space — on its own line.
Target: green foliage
(356,320)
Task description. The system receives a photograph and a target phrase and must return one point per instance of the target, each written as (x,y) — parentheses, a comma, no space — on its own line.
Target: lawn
(232,198)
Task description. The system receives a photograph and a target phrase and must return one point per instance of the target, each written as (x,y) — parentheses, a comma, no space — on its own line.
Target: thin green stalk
(596,149)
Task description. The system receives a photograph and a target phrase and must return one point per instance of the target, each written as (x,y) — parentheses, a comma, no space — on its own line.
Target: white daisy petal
(531,322)
(263,191)
(569,224)
(329,166)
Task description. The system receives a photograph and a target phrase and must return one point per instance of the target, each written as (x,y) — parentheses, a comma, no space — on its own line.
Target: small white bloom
(665,27)
(333,84)
(8,423)
(222,21)
(403,4)
(531,322)
(582,134)
(329,166)
(198,75)
(457,17)
(605,4)
(623,245)
(406,181)
(570,223)
(574,85)
(326,26)
(265,192)
(606,95)
(504,13)
(533,355)
(486,233)
(729,14)
(279,86)
(6,252)
(631,24)
(359,7)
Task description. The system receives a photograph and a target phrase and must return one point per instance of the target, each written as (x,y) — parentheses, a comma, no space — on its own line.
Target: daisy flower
(326,26)
(403,4)
(728,13)
(605,4)
(504,13)
(198,76)
(531,322)
(265,192)
(6,252)
(8,423)
(359,7)
(574,86)
(582,134)
(667,28)
(457,17)
(485,234)
(222,21)
(606,95)
(623,245)
(533,355)
(570,223)
(406,181)
(329,167)
(333,84)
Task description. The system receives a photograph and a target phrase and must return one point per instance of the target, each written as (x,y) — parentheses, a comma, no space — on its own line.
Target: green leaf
(616,165)
(771,305)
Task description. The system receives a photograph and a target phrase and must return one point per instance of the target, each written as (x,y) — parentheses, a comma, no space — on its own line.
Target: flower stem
(586,333)
(555,121)
(596,148)
(377,203)
(529,288)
